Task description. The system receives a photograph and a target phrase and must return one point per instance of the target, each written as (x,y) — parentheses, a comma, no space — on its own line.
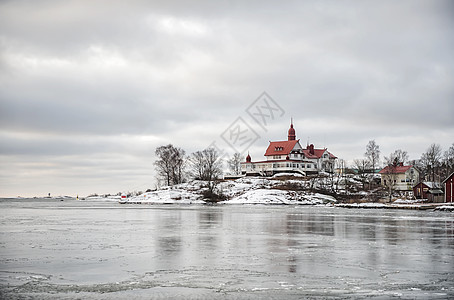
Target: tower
(291,132)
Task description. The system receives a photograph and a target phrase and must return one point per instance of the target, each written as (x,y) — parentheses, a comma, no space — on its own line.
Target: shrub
(213,197)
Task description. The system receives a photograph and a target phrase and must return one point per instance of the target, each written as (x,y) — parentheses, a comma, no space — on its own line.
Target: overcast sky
(89,89)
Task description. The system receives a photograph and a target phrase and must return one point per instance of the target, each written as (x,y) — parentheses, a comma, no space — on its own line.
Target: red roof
(397,170)
(279,160)
(284,148)
(317,153)
(280,148)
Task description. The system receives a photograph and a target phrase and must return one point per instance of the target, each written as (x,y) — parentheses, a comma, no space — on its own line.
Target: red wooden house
(428,190)
(449,188)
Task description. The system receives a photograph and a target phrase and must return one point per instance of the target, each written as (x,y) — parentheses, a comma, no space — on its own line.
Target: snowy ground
(284,189)
(408,201)
(445,208)
(249,190)
(362,205)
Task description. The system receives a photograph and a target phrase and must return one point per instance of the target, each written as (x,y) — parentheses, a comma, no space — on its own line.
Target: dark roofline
(448,177)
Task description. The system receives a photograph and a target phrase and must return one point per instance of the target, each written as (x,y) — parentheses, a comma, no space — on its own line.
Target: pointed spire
(291,131)
(248,157)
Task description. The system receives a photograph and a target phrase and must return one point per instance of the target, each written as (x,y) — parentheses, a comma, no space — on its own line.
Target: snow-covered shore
(250,190)
(265,191)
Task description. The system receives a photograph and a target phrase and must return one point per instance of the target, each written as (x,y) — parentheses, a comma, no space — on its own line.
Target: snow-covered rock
(407,201)
(287,174)
(186,193)
(261,196)
(247,190)
(361,205)
(445,208)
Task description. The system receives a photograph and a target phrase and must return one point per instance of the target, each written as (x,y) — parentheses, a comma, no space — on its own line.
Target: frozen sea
(52,249)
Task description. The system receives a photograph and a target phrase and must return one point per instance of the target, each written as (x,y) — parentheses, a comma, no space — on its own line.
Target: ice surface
(104,250)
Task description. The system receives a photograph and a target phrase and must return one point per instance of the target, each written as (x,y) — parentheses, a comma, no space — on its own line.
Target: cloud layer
(89,90)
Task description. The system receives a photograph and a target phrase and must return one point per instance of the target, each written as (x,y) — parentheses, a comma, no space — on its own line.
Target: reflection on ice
(98,251)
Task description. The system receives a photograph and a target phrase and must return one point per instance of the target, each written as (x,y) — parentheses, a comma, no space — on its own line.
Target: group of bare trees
(170,165)
(366,166)
(235,164)
(206,165)
(174,167)
(434,164)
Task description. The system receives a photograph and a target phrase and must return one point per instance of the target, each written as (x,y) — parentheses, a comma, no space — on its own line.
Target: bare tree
(363,166)
(197,165)
(170,164)
(373,155)
(448,161)
(235,164)
(389,174)
(341,165)
(430,160)
(399,156)
(206,165)
(179,166)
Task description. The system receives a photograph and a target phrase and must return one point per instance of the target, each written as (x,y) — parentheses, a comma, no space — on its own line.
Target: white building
(400,177)
(289,156)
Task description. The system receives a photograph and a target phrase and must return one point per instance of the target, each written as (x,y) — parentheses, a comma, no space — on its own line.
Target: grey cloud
(181,72)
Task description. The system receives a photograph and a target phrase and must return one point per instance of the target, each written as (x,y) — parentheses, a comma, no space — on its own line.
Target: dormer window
(278,148)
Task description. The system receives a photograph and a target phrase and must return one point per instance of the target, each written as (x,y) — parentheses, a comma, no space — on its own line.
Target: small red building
(428,190)
(449,188)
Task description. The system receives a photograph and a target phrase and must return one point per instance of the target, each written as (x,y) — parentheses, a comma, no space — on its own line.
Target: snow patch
(261,196)
(247,190)
(445,208)
(407,201)
(287,174)
(361,205)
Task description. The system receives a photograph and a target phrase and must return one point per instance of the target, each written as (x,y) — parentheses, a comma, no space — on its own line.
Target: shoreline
(425,206)
(363,205)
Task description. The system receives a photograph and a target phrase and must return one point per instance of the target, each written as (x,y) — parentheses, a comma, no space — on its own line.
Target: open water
(51,249)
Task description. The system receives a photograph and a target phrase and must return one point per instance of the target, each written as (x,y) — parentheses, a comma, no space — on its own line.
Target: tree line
(173,166)
(434,164)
